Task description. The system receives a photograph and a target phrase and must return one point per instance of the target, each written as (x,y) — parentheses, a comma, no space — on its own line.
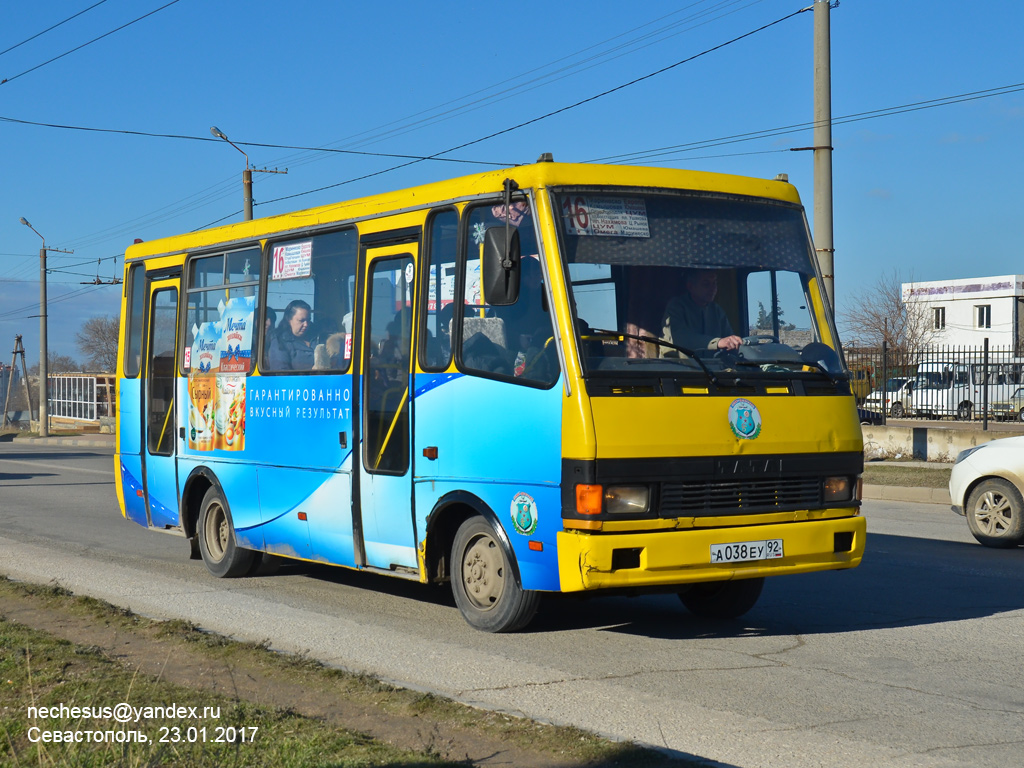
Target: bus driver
(694,320)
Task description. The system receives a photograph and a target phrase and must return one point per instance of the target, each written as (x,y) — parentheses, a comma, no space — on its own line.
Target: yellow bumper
(684,556)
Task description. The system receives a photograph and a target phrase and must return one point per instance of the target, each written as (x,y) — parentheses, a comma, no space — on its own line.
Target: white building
(967,311)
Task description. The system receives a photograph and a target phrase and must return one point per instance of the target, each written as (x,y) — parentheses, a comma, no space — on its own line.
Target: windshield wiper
(660,343)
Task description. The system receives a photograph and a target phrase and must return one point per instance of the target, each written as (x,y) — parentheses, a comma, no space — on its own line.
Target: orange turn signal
(589,499)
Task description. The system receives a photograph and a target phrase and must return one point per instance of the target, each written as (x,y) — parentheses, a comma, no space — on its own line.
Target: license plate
(744,551)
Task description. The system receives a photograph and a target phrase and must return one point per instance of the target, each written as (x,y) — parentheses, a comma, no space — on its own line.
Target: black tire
(995,513)
(965,412)
(722,599)
(484,584)
(897,411)
(216,534)
(265,564)
(1020,415)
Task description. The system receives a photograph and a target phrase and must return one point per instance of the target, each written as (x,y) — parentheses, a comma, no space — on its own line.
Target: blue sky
(933,193)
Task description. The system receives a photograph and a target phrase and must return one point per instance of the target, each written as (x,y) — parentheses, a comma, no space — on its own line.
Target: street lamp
(44,428)
(246,174)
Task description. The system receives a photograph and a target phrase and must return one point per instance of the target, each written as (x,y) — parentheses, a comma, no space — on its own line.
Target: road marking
(61,467)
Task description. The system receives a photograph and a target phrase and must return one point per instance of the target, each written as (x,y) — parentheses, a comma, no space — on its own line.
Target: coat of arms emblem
(744,419)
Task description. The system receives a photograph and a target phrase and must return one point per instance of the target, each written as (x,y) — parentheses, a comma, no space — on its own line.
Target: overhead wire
(547,115)
(110,233)
(83,45)
(55,300)
(50,29)
(649,154)
(405,126)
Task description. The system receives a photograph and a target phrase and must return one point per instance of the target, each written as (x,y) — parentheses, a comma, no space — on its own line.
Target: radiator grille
(699,497)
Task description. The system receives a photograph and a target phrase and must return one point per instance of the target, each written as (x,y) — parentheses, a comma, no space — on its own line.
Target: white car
(986,487)
(897,398)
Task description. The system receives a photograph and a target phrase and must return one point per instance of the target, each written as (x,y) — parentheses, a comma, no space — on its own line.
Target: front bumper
(666,558)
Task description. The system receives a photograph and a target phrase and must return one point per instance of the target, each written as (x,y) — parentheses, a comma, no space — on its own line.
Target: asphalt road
(913,659)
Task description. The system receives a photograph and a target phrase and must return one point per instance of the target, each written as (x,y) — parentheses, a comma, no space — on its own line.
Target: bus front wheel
(722,599)
(222,555)
(486,590)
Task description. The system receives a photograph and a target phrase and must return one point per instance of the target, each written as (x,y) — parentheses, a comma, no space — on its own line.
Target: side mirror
(500,267)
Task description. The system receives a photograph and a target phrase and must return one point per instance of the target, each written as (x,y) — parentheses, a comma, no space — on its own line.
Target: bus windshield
(680,283)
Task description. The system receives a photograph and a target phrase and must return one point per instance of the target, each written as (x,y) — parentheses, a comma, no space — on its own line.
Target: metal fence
(72,397)
(81,398)
(961,383)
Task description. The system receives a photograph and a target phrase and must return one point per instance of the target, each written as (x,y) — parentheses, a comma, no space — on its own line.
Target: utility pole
(823,243)
(19,349)
(246,174)
(44,421)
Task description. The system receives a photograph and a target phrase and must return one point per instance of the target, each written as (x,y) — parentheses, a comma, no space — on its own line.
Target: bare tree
(98,341)
(57,363)
(878,313)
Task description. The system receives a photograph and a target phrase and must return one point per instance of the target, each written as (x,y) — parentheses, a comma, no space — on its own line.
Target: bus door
(383,519)
(160,374)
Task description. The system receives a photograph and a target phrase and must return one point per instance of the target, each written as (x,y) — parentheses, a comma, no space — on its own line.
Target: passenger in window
(444,330)
(391,351)
(271,319)
(694,320)
(290,348)
(526,318)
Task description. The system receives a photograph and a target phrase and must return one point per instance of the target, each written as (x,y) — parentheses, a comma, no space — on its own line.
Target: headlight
(964,454)
(627,499)
(838,489)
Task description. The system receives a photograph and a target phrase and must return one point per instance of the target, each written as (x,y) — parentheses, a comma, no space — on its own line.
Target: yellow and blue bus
(507,381)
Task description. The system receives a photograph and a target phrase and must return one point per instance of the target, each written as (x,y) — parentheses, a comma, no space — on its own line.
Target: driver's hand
(730,342)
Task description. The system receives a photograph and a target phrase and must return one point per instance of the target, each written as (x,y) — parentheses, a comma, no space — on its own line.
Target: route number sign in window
(607,216)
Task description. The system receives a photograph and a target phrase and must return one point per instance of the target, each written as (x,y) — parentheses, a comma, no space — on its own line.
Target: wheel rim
(218,532)
(993,514)
(483,571)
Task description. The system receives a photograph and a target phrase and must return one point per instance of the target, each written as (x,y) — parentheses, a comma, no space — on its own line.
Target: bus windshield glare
(691,283)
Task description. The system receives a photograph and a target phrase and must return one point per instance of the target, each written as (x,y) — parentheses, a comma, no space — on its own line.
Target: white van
(897,397)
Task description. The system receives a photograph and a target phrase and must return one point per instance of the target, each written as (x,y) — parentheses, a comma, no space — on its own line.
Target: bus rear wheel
(486,590)
(965,412)
(222,555)
(722,599)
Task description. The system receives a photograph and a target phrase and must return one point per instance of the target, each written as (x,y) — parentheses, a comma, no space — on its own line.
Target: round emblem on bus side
(524,513)
(744,419)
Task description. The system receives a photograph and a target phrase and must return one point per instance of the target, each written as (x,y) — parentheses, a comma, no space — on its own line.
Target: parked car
(985,486)
(866,416)
(897,397)
(1012,409)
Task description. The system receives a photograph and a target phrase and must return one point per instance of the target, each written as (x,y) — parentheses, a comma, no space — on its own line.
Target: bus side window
(438,305)
(309,292)
(217,286)
(514,342)
(136,315)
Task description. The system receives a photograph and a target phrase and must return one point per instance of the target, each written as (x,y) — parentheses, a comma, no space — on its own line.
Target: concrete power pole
(823,148)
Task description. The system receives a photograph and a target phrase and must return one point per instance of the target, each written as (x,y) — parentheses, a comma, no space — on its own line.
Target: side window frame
(188,291)
(427,261)
(266,282)
(135,293)
(460,295)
